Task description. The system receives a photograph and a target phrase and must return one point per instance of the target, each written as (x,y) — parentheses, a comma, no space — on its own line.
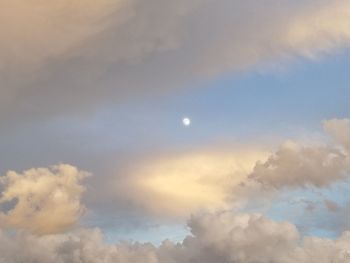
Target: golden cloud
(46,200)
(180,184)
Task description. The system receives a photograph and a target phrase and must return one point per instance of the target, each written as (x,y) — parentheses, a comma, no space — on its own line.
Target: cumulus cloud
(54,51)
(42,200)
(220,237)
(294,165)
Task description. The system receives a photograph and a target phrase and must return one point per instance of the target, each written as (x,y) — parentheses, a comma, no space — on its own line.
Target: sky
(96,164)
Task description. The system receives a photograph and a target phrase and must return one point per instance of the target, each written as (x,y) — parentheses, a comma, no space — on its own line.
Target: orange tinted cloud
(45,200)
(181,184)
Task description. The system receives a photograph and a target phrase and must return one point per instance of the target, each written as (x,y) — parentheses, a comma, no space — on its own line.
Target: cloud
(331,206)
(294,165)
(340,130)
(213,178)
(42,200)
(180,184)
(220,237)
(36,30)
(54,53)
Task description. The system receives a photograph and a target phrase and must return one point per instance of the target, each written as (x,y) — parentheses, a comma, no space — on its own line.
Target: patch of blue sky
(154,234)
(307,209)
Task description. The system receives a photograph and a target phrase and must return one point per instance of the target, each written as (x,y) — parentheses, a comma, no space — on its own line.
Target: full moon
(186,121)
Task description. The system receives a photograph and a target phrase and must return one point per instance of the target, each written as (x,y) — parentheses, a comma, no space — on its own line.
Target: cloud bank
(56,52)
(222,237)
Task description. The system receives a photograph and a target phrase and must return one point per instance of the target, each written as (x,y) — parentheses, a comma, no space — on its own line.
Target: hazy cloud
(180,184)
(340,130)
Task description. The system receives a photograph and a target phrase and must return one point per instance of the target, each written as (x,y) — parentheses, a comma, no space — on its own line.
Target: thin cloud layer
(340,130)
(56,52)
(42,200)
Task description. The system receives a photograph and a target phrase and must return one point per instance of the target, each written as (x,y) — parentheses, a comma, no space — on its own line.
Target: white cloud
(43,200)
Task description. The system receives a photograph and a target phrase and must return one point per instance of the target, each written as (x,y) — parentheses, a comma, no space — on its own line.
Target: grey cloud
(81,56)
(331,205)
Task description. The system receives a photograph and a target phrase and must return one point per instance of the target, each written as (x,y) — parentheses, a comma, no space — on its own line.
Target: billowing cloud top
(43,200)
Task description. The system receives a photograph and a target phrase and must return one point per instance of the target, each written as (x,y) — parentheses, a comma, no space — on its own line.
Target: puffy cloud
(294,165)
(180,184)
(43,200)
(54,51)
(228,237)
(221,237)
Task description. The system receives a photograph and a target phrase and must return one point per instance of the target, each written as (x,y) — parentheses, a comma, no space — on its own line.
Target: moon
(186,121)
